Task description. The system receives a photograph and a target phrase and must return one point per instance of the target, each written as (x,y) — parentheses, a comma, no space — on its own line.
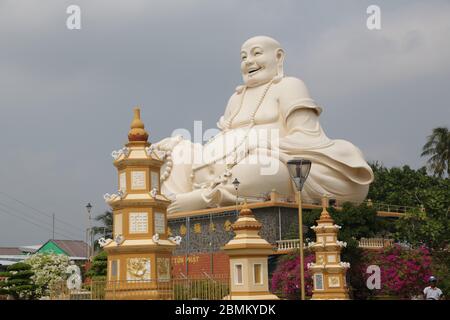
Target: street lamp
(299,171)
(236,184)
(89,234)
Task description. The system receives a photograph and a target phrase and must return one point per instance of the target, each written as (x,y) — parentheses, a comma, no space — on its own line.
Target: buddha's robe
(338,167)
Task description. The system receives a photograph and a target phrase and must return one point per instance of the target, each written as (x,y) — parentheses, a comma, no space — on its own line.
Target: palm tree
(438,149)
(106,220)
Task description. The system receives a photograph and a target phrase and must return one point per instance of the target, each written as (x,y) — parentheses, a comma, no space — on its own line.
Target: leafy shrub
(440,267)
(404,271)
(18,282)
(286,277)
(98,267)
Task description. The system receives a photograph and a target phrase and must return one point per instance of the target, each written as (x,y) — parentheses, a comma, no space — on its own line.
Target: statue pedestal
(205,231)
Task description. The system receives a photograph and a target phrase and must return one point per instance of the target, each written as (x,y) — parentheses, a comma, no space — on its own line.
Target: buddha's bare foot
(188,201)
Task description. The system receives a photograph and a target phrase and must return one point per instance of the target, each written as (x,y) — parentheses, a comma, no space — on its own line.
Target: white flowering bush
(49,271)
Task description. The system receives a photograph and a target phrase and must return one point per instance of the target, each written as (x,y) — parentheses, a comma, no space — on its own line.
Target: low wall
(199,264)
(208,233)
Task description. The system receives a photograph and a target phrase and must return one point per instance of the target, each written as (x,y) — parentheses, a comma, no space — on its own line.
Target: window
(114,268)
(318,281)
(123,182)
(117,224)
(155,180)
(257,273)
(160,223)
(238,274)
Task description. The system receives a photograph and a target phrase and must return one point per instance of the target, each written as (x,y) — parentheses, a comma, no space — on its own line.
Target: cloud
(412,43)
(66,96)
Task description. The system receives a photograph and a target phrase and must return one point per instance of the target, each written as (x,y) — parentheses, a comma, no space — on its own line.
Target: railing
(386,207)
(365,243)
(213,287)
(287,245)
(59,291)
(379,206)
(375,243)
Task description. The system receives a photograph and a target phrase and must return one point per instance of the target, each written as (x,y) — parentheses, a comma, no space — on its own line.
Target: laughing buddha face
(261,60)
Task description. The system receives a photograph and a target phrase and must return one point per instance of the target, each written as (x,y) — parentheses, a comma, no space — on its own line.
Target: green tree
(357,221)
(437,148)
(440,267)
(409,187)
(98,267)
(106,220)
(18,283)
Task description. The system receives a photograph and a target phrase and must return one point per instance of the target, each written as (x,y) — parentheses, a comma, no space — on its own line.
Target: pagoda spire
(324,215)
(137,133)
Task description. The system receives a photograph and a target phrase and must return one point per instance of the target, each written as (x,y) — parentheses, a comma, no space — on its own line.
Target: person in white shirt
(432,292)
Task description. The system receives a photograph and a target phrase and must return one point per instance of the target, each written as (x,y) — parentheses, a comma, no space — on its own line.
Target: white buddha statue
(269,120)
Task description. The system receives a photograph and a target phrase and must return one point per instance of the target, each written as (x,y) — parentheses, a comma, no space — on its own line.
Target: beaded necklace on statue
(252,116)
(226,174)
(228,126)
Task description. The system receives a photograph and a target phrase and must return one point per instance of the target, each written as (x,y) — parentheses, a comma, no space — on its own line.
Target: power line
(40,211)
(38,224)
(14,210)
(34,223)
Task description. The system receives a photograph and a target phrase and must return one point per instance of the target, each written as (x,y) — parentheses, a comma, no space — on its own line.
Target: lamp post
(299,171)
(89,234)
(236,184)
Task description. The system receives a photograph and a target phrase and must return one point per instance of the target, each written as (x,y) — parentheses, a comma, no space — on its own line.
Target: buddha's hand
(168,144)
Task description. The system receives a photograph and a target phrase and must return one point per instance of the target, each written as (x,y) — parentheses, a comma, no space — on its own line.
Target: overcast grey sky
(66,96)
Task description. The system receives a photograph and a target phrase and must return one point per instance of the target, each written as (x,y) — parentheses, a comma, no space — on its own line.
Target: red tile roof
(74,248)
(10,251)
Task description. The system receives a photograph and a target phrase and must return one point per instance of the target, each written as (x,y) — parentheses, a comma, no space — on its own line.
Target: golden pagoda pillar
(329,271)
(139,255)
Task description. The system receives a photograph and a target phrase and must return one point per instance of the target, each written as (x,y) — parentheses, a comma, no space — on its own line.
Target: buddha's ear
(280,56)
(280,62)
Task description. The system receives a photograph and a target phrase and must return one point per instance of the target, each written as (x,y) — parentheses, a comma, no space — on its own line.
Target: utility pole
(53,226)
(89,232)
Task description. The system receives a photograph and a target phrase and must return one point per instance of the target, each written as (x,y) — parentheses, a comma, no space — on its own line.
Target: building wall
(199,263)
(208,233)
(201,243)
